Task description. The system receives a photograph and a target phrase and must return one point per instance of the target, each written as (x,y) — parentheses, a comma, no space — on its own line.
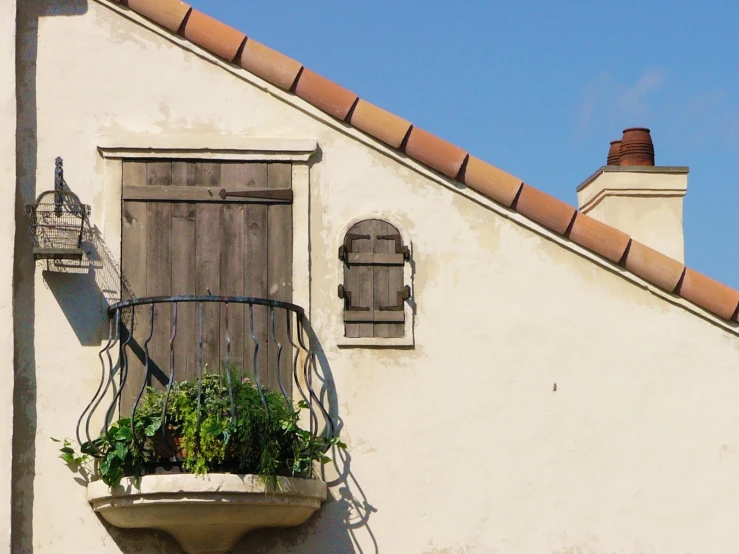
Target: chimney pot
(636,147)
(614,153)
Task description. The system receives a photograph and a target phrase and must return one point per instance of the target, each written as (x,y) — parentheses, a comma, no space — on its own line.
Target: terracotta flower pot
(636,147)
(167,445)
(614,153)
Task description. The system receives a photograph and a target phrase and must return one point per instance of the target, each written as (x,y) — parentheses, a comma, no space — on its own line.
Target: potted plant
(197,425)
(242,441)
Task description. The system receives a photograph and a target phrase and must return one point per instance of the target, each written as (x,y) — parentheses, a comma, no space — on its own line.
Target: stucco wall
(458,444)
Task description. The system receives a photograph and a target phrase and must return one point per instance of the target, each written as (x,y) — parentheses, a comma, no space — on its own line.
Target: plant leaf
(123,434)
(153,426)
(121,450)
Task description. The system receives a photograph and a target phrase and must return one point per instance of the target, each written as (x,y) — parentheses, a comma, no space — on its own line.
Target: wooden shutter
(373,290)
(180,237)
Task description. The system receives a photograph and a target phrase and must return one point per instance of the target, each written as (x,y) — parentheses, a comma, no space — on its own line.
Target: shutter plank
(133,277)
(207,174)
(256,273)
(358,279)
(183,174)
(159,283)
(183,283)
(395,285)
(207,277)
(159,174)
(233,251)
(382,293)
(280,241)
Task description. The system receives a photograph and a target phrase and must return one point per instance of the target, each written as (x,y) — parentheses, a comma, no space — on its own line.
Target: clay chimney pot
(636,147)
(614,153)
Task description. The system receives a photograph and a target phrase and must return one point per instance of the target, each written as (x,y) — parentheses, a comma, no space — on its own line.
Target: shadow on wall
(84,290)
(341,526)
(24,297)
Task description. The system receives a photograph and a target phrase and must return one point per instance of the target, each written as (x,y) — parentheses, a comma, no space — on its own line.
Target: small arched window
(373,291)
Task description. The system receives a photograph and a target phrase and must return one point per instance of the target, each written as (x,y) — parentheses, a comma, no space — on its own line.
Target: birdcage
(58,222)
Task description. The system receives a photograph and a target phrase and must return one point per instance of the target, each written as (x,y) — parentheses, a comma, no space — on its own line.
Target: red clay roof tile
(652,266)
(270,65)
(167,13)
(599,237)
(546,210)
(324,94)
(218,38)
(490,181)
(709,294)
(379,123)
(435,152)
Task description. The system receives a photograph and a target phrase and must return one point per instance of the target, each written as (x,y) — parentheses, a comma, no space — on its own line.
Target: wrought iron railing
(151,344)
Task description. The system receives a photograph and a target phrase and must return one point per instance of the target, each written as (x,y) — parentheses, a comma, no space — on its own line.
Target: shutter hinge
(403,295)
(345,248)
(399,248)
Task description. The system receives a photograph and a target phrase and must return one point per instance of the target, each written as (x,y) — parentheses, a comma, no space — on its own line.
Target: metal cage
(58,221)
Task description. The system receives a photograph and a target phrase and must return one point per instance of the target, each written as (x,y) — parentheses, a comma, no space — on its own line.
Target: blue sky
(539,88)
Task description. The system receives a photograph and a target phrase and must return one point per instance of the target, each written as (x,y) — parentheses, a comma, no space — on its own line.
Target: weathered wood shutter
(181,237)
(373,290)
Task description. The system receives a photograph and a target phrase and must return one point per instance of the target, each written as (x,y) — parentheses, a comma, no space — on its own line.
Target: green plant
(198,423)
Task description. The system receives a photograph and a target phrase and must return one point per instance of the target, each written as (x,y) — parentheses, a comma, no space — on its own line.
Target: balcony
(199,434)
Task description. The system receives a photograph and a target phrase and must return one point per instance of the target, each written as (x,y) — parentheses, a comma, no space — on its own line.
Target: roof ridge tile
(709,294)
(598,237)
(271,65)
(490,181)
(379,123)
(215,36)
(324,94)
(653,266)
(167,13)
(435,152)
(545,209)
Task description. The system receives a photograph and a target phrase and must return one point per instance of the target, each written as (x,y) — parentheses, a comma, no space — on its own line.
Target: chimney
(633,195)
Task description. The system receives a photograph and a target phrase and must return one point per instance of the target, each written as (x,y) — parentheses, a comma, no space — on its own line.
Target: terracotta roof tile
(218,38)
(709,294)
(490,181)
(167,13)
(379,123)
(438,154)
(324,94)
(652,266)
(599,237)
(435,152)
(270,65)
(546,210)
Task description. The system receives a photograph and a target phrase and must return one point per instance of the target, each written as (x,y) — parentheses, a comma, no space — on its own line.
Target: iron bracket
(345,248)
(399,248)
(403,295)
(347,297)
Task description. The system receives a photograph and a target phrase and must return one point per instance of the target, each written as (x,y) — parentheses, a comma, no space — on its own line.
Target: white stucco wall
(458,444)
(7,238)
